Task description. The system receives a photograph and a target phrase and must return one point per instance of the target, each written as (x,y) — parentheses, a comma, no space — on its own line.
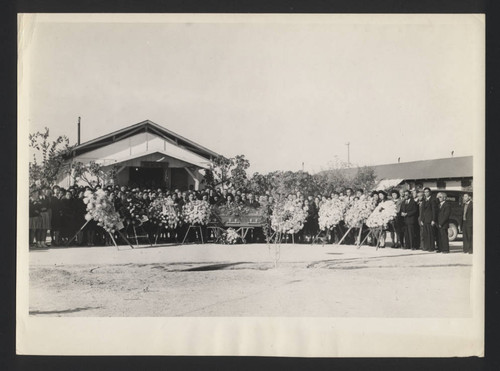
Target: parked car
(455,198)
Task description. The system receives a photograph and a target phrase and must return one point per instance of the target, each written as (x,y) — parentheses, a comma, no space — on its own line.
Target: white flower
(100,208)
(331,212)
(196,212)
(383,214)
(231,236)
(288,217)
(358,212)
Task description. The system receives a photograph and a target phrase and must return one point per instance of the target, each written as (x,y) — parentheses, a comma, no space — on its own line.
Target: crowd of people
(421,222)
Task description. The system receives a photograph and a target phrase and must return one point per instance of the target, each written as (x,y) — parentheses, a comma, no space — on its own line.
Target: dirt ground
(241,280)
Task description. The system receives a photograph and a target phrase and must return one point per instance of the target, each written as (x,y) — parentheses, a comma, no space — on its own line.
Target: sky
(282,93)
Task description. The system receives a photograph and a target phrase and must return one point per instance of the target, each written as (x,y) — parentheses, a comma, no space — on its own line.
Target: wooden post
(359,236)
(369,233)
(135,234)
(379,236)
(185,236)
(83,226)
(344,236)
(157,234)
(113,239)
(125,238)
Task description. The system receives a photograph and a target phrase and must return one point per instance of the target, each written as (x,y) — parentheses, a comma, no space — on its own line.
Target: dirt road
(241,280)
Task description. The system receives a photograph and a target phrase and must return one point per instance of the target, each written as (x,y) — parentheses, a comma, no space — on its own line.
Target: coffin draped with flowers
(239,216)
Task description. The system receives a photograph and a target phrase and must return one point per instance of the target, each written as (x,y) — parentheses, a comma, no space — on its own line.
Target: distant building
(147,154)
(454,173)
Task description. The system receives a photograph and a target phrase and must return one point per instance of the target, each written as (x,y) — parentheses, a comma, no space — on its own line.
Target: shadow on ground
(74,310)
(212,267)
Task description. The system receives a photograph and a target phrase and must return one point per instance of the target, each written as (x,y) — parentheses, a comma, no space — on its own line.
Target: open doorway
(179,179)
(146,177)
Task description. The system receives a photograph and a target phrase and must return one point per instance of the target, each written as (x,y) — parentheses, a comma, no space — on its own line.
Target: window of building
(441,184)
(466,183)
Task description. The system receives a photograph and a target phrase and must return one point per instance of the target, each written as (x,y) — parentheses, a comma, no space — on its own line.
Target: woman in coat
(45,212)
(35,221)
(396,226)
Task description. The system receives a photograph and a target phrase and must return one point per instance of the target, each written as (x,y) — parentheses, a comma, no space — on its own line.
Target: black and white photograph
(274,185)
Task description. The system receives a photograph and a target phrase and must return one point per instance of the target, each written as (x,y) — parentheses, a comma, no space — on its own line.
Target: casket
(252,218)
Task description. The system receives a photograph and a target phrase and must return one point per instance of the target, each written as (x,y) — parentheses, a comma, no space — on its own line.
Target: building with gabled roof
(146,154)
(453,173)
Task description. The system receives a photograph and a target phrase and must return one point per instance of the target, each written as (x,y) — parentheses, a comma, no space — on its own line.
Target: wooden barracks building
(453,173)
(147,154)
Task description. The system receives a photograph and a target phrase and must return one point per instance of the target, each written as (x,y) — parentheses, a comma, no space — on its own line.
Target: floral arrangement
(230,236)
(383,214)
(288,217)
(358,212)
(100,208)
(196,212)
(331,212)
(135,210)
(163,212)
(233,209)
(346,201)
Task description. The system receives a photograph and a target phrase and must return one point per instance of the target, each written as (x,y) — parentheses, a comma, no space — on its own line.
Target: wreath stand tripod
(137,236)
(373,233)
(345,235)
(195,227)
(110,235)
(358,239)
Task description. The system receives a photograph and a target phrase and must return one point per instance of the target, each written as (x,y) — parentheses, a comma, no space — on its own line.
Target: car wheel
(452,232)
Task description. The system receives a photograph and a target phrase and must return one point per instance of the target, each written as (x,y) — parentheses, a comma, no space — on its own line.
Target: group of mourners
(421,222)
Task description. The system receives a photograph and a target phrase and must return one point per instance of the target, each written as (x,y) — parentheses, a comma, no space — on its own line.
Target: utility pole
(302,166)
(78,130)
(348,154)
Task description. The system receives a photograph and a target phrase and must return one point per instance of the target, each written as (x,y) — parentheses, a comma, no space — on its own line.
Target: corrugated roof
(453,167)
(150,126)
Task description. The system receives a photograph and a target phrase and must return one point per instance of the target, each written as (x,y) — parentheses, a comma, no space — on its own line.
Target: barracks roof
(141,127)
(453,167)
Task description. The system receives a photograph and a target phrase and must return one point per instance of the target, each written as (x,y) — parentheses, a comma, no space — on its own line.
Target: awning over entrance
(186,157)
(388,183)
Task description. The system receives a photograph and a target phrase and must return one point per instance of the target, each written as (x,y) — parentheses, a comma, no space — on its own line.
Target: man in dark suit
(467,223)
(409,211)
(418,200)
(428,218)
(443,223)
